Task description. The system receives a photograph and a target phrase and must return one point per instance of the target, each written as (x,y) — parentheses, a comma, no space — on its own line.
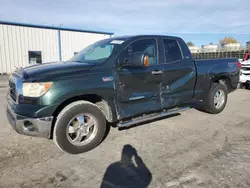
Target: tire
(246,86)
(242,86)
(209,102)
(77,110)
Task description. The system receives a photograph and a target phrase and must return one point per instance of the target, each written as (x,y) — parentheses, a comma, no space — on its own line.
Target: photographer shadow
(125,173)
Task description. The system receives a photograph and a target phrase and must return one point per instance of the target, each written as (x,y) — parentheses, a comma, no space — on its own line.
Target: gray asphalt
(4,81)
(193,149)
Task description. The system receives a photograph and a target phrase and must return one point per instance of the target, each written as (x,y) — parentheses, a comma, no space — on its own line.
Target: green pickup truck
(119,81)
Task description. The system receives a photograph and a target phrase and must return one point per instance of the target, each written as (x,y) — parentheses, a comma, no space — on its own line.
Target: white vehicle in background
(245,72)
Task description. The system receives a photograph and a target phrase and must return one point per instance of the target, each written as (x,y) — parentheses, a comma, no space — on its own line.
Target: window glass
(146,46)
(100,52)
(35,57)
(171,50)
(97,52)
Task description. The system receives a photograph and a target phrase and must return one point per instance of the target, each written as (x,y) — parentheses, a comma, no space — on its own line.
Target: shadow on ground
(126,173)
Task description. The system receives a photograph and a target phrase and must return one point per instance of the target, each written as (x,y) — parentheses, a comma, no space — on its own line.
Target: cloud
(133,17)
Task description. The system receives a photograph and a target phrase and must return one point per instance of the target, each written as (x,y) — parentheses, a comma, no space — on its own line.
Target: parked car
(245,71)
(121,81)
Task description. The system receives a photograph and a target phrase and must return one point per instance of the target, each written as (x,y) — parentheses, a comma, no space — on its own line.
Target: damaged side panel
(179,73)
(138,91)
(165,84)
(178,85)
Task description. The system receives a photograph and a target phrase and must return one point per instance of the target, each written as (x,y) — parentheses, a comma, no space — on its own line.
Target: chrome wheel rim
(219,99)
(81,129)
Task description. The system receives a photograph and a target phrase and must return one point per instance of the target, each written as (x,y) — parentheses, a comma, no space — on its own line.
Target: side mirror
(136,60)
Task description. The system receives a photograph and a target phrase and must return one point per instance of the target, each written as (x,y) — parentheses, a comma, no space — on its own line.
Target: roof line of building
(53,27)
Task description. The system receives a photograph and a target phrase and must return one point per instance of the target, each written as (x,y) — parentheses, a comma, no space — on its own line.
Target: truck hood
(55,68)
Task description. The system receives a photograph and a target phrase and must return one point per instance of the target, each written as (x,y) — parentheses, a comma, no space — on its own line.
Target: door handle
(156,72)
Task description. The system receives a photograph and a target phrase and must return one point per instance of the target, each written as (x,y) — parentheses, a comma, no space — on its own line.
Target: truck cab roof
(127,37)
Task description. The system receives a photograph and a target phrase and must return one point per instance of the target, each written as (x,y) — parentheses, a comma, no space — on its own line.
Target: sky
(198,21)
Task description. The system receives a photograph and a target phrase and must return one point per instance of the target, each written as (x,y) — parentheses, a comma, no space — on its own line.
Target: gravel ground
(4,81)
(193,149)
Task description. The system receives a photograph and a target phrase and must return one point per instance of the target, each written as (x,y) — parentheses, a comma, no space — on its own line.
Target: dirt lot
(193,149)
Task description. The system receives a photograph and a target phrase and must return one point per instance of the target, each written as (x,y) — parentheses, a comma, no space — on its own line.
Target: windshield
(97,52)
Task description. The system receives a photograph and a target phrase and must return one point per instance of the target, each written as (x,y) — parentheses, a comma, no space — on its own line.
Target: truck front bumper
(40,127)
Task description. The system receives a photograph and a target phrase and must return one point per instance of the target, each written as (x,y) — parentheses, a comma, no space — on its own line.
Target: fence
(221,54)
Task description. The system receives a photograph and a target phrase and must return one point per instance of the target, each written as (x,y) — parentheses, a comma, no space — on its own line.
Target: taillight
(239,65)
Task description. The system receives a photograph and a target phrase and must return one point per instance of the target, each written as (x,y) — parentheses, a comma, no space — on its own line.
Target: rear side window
(146,46)
(171,50)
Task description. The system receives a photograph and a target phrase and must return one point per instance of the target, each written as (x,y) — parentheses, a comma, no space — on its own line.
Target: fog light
(28,126)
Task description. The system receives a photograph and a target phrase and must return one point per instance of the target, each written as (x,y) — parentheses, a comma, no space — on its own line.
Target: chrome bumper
(40,127)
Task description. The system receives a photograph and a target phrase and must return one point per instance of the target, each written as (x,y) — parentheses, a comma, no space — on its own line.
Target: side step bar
(151,117)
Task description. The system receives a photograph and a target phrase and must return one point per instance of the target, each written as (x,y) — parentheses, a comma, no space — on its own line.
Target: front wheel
(79,127)
(216,99)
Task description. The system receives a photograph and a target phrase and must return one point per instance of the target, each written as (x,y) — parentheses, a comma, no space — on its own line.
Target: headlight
(36,89)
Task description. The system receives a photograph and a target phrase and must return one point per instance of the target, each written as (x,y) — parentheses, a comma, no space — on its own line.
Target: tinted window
(35,57)
(146,46)
(171,50)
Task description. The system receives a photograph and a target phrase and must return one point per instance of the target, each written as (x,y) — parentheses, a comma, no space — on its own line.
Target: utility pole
(59,42)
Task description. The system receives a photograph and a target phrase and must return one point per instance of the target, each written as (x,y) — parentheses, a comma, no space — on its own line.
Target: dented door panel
(179,83)
(139,91)
(179,74)
(138,88)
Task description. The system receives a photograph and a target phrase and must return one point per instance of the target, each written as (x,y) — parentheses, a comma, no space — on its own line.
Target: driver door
(138,88)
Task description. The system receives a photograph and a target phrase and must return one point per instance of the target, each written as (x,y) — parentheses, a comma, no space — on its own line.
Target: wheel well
(95,99)
(224,80)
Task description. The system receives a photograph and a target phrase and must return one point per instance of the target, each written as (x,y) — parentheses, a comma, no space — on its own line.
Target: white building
(194,49)
(25,44)
(231,46)
(210,48)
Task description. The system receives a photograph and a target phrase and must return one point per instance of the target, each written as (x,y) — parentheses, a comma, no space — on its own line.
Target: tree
(190,43)
(228,40)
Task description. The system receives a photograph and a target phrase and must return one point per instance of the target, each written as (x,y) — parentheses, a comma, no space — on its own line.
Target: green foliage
(228,40)
(190,43)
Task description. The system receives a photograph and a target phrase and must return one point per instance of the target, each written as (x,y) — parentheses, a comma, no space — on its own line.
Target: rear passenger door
(179,74)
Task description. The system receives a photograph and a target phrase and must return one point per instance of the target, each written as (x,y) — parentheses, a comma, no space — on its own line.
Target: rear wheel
(80,127)
(216,99)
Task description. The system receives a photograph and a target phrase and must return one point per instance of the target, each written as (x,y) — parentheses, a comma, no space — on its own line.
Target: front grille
(12,86)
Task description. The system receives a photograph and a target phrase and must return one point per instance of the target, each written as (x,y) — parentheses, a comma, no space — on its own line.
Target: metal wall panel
(72,41)
(17,41)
